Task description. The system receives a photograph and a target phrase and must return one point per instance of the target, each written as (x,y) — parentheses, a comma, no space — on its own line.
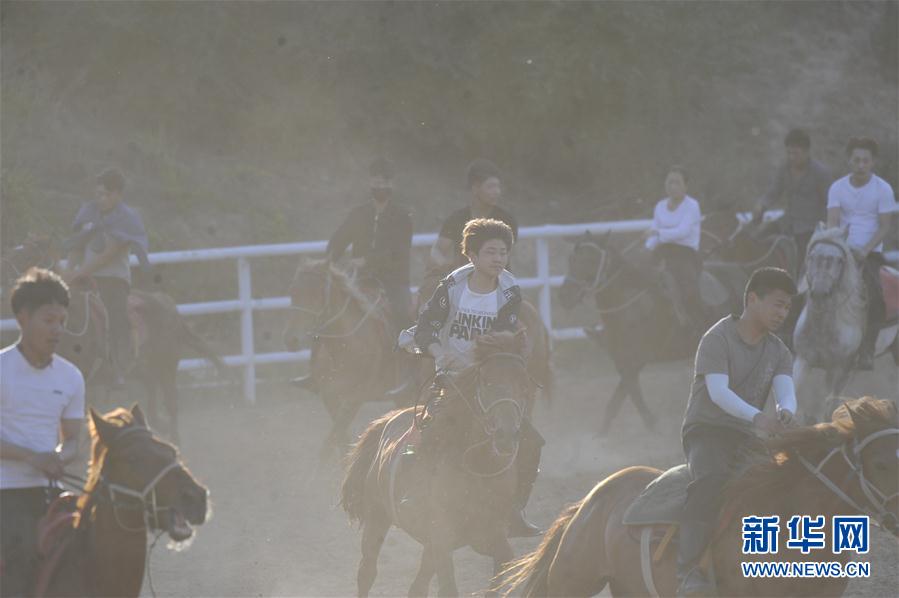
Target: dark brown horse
(588,547)
(456,492)
(137,485)
(354,360)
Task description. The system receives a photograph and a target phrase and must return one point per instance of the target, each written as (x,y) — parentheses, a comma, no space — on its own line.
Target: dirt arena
(272,534)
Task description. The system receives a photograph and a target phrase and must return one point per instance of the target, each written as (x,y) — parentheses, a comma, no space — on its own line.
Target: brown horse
(460,489)
(136,485)
(849,466)
(354,360)
(159,339)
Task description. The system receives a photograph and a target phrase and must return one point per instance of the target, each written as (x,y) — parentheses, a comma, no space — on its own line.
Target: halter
(482,415)
(146,496)
(846,256)
(875,497)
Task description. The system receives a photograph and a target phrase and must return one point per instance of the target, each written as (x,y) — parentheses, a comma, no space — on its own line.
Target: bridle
(846,257)
(481,413)
(876,499)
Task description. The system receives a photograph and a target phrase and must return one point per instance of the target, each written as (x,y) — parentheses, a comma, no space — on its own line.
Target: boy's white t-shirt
(860,207)
(475,315)
(32,404)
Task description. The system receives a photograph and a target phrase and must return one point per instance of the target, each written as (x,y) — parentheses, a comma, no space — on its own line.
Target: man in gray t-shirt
(738,362)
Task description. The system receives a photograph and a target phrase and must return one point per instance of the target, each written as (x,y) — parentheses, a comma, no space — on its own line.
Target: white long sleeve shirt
(681,226)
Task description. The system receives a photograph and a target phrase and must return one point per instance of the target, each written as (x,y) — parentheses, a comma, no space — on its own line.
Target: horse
(159,335)
(136,485)
(355,360)
(830,327)
(462,488)
(848,466)
(640,326)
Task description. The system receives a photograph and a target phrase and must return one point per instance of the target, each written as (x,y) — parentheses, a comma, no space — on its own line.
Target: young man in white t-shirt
(42,409)
(864,202)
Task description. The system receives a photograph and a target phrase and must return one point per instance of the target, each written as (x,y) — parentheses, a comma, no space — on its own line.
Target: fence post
(545,306)
(245,295)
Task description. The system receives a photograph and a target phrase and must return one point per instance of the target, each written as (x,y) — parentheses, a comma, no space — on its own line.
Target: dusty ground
(273,534)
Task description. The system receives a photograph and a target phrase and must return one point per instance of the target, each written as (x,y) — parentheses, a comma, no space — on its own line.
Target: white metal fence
(246,304)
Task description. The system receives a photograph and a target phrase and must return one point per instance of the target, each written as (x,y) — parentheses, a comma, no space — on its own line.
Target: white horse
(830,327)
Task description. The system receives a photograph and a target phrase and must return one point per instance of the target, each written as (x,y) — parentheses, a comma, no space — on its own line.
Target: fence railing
(246,304)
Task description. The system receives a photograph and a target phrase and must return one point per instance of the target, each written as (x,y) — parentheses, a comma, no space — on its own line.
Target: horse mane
(344,281)
(120,418)
(771,479)
(492,343)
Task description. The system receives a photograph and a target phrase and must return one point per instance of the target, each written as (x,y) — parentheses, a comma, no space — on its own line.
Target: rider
(473,300)
(864,202)
(107,231)
(738,361)
(380,232)
(674,241)
(486,190)
(800,184)
(42,401)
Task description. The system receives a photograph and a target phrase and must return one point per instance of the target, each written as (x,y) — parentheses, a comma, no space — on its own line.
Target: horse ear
(845,229)
(138,415)
(821,226)
(103,429)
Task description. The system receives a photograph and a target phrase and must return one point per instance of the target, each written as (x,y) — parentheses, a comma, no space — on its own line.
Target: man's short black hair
(798,138)
(112,179)
(381,167)
(765,280)
(480,170)
(38,287)
(862,143)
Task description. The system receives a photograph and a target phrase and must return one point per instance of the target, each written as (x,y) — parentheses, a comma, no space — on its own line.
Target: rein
(596,286)
(319,329)
(482,416)
(875,497)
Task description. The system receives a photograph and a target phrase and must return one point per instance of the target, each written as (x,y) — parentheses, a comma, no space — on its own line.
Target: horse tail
(530,572)
(358,463)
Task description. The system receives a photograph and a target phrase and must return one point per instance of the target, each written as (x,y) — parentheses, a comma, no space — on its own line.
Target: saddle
(55,531)
(662,501)
(889,281)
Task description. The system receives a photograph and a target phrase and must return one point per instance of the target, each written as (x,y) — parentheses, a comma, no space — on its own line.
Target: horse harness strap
(875,497)
(646,560)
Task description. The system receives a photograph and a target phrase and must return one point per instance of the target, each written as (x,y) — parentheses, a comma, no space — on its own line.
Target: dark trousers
(683,266)
(400,301)
(715,455)
(114,293)
(876,307)
(20,511)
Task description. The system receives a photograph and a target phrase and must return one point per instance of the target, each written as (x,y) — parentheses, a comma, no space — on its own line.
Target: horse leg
(502,556)
(636,395)
(837,381)
(613,406)
(375,529)
(170,397)
(805,402)
(440,540)
(422,581)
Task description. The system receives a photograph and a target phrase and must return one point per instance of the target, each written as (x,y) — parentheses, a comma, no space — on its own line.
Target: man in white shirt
(864,203)
(42,405)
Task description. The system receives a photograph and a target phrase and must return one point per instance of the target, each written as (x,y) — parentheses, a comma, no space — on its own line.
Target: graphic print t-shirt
(475,316)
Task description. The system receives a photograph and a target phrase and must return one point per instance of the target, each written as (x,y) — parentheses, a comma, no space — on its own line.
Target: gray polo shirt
(750,369)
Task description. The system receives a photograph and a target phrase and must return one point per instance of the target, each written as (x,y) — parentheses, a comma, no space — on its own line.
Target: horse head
(310,297)
(35,251)
(830,263)
(588,267)
(502,387)
(864,434)
(139,473)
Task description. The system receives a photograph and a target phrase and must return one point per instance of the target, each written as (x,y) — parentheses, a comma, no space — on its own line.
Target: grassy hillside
(243,122)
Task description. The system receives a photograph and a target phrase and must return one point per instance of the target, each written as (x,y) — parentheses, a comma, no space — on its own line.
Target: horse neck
(118,556)
(343,319)
(847,305)
(625,286)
